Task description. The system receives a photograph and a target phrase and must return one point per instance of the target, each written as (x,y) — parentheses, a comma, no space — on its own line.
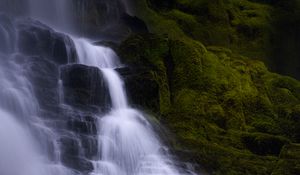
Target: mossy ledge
(230,115)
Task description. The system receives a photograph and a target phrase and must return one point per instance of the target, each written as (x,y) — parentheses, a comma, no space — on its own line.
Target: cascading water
(53,107)
(20,152)
(127,142)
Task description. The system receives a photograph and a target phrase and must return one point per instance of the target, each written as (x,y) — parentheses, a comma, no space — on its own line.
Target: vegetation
(231,113)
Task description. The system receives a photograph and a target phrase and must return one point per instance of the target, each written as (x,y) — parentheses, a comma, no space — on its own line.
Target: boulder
(74,156)
(85,125)
(36,38)
(84,85)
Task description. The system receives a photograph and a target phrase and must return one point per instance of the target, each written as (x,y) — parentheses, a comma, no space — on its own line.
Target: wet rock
(72,155)
(84,85)
(83,126)
(78,163)
(36,38)
(90,146)
(70,146)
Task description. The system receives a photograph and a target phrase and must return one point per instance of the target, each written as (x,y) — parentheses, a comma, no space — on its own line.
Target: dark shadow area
(285,39)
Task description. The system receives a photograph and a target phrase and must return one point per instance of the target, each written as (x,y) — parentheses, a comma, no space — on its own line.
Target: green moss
(228,161)
(190,101)
(149,52)
(230,111)
(155,22)
(146,50)
(289,162)
(265,124)
(238,24)
(187,72)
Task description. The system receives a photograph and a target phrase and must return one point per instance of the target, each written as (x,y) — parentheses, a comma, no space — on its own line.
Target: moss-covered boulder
(229,111)
(230,114)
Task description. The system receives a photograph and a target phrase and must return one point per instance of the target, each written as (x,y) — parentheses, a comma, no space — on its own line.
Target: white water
(20,152)
(17,148)
(127,142)
(91,55)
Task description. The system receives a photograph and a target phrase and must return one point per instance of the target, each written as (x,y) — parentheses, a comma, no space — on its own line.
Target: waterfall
(127,142)
(55,13)
(17,148)
(55,115)
(21,151)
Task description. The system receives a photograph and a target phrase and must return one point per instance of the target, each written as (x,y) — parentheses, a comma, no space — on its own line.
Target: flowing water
(127,143)
(45,128)
(56,13)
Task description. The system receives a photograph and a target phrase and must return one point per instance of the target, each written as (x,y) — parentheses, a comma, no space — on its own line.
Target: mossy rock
(231,112)
(144,50)
(219,160)
(289,162)
(264,144)
(150,52)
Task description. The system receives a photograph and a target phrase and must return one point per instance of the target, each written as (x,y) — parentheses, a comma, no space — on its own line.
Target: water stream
(127,143)
(45,129)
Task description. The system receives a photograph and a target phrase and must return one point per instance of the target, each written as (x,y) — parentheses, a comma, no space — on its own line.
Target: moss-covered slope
(267,30)
(229,113)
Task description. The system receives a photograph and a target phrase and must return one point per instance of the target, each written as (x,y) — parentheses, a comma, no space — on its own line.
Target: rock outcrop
(84,85)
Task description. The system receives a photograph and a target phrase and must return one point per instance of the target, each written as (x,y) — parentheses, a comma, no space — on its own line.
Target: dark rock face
(264,144)
(84,85)
(142,89)
(37,39)
(78,163)
(135,24)
(43,52)
(162,4)
(79,140)
(77,150)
